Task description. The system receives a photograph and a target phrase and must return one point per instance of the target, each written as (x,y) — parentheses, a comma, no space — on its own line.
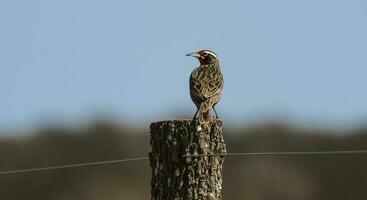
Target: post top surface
(214,120)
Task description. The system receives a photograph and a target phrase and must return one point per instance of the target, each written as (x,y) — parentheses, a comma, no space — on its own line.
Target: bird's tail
(204,113)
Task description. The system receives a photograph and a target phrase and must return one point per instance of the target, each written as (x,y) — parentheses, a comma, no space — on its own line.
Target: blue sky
(68,60)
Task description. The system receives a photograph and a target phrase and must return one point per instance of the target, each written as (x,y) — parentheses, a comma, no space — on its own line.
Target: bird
(206,85)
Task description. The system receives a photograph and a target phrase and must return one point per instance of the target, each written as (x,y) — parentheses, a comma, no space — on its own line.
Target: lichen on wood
(176,177)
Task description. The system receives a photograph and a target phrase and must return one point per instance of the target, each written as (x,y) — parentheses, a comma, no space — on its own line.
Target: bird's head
(205,56)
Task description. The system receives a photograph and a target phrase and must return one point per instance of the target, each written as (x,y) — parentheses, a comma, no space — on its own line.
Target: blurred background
(81,81)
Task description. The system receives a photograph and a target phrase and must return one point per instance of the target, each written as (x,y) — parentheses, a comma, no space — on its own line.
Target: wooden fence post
(176,177)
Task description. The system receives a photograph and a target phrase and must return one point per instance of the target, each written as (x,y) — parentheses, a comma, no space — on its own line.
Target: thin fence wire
(18,171)
(284,153)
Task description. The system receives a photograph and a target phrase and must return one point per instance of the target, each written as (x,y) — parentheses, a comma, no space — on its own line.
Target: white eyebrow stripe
(211,53)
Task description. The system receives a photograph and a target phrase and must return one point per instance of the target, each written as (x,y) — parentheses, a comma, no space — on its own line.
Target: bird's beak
(195,54)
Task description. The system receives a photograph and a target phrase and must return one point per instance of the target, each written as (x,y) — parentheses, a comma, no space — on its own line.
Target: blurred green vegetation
(256,177)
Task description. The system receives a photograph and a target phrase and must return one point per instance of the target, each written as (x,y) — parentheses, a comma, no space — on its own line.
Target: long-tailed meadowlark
(206,85)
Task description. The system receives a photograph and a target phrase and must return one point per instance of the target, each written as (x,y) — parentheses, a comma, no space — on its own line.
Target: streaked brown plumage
(206,84)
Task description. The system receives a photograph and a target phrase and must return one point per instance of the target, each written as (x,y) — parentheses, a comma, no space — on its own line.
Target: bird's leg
(197,110)
(216,114)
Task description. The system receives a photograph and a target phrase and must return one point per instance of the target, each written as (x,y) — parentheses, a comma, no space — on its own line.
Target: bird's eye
(205,54)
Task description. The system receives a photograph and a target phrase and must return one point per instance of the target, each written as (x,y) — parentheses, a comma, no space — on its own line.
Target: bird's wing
(205,83)
(196,88)
(214,84)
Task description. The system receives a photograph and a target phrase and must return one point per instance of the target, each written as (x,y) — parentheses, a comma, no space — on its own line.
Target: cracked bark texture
(175,177)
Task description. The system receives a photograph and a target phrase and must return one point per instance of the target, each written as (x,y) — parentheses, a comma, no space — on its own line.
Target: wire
(17,171)
(290,153)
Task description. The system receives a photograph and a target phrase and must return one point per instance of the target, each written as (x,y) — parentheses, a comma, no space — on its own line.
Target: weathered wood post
(179,177)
